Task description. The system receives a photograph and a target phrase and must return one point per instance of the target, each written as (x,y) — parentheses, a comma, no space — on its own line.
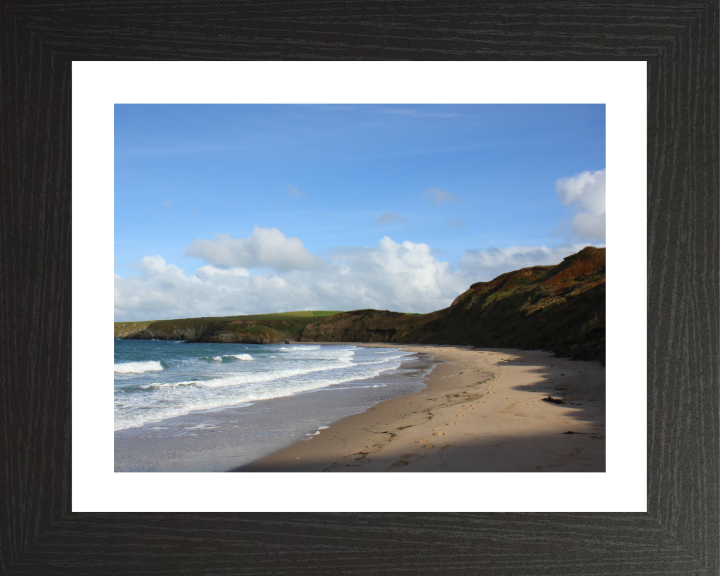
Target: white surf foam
(314,368)
(304,347)
(168,384)
(232,358)
(138,367)
(270,376)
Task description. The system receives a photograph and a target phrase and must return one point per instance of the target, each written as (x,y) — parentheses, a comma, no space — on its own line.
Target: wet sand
(482,411)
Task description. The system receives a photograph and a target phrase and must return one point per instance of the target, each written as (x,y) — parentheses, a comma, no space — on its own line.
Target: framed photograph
(654,506)
(231,398)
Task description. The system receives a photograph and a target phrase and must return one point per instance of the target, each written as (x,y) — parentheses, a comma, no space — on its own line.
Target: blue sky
(224,209)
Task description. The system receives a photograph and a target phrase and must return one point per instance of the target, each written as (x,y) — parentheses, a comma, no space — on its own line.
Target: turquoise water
(156,380)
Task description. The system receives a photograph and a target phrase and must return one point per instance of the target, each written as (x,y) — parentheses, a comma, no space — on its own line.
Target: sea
(214,407)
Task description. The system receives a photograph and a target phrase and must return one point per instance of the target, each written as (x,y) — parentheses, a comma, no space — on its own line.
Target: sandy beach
(482,411)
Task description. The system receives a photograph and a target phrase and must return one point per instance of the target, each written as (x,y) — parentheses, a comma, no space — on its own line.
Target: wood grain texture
(679,534)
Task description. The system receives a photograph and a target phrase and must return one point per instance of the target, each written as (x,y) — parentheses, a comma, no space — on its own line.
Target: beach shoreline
(482,410)
(221,438)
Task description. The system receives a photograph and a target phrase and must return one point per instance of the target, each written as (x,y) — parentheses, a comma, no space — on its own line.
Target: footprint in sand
(451,423)
(429,446)
(401,463)
(439,433)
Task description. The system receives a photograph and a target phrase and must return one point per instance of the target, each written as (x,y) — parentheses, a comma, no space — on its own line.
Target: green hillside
(252,329)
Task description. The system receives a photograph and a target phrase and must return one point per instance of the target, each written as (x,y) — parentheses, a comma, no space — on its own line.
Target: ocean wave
(317,431)
(304,347)
(334,387)
(269,376)
(168,384)
(212,388)
(383,361)
(318,353)
(229,358)
(138,367)
(206,395)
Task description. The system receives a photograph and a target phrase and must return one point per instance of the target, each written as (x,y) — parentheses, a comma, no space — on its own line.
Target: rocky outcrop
(262,335)
(363,326)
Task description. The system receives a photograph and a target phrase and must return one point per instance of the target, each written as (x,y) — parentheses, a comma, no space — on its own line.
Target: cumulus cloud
(401,276)
(585,194)
(439,196)
(264,248)
(488,264)
(394,276)
(388,218)
(158,284)
(210,272)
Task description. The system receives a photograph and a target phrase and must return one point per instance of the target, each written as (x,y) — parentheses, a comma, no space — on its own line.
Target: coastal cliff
(371,326)
(557,308)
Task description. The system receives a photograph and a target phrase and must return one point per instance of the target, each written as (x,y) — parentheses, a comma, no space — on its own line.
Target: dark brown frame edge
(679,533)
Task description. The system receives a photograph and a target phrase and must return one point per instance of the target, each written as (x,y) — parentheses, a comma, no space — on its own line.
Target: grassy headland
(249,329)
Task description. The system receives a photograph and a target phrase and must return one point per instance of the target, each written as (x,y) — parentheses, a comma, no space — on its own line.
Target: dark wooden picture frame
(680,532)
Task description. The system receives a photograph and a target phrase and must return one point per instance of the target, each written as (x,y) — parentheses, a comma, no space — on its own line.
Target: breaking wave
(229,358)
(138,367)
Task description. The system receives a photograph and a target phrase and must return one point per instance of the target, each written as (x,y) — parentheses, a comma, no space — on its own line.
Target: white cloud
(210,272)
(585,194)
(401,276)
(488,264)
(439,196)
(264,248)
(157,289)
(391,276)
